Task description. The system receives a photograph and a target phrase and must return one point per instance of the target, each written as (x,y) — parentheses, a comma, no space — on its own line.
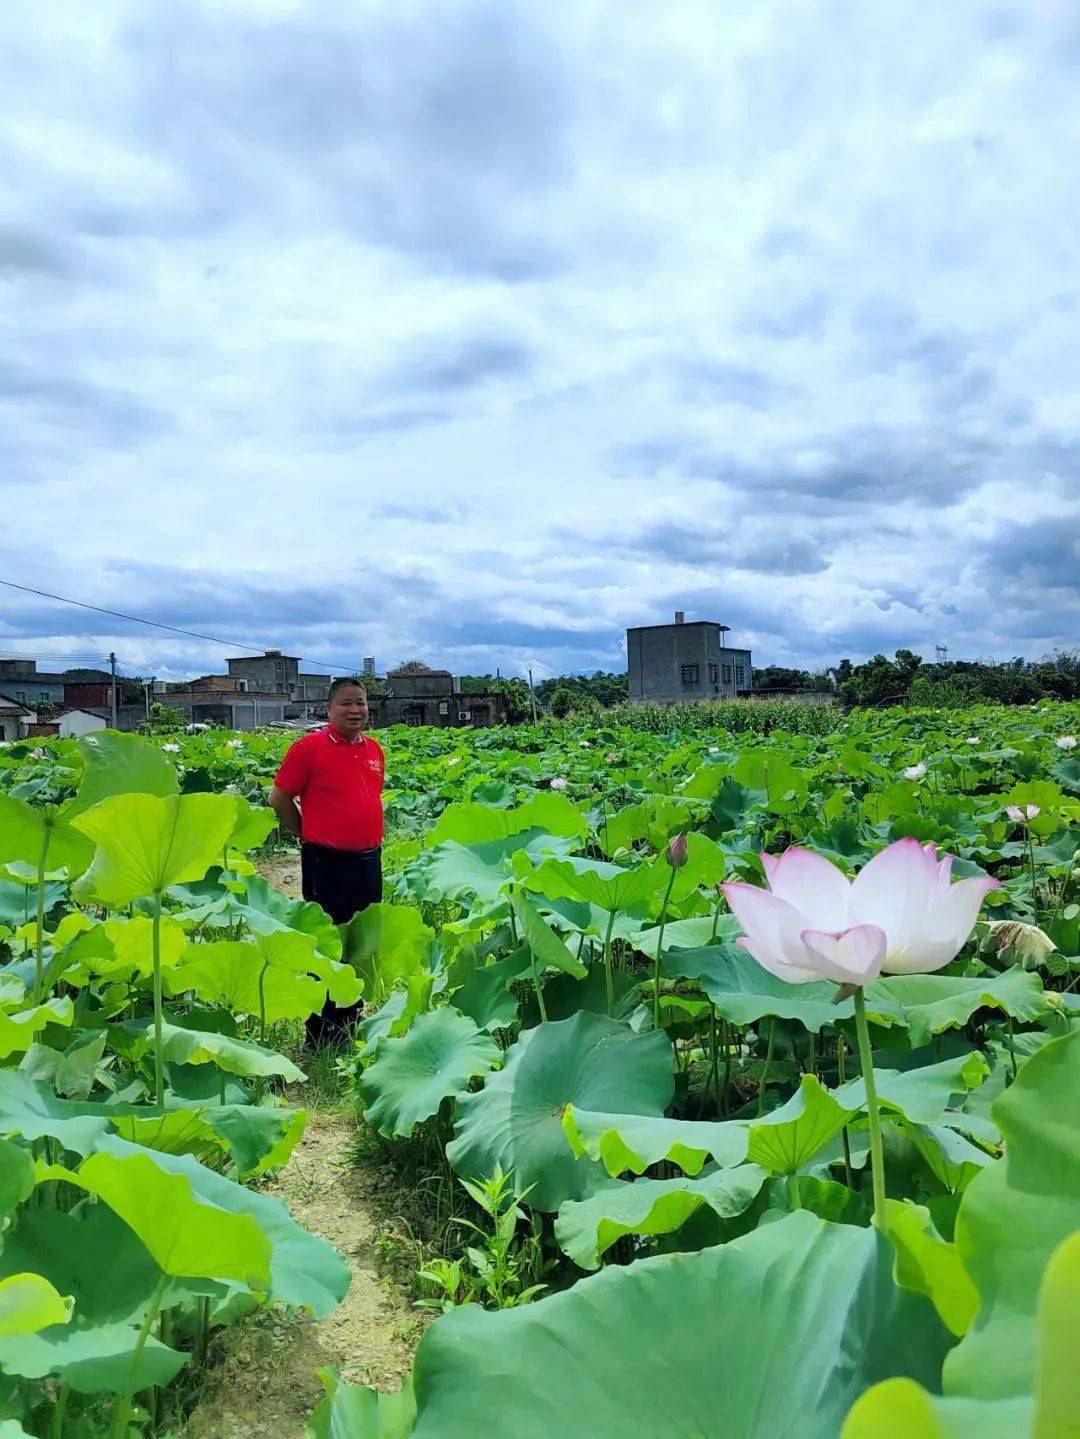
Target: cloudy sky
(479,331)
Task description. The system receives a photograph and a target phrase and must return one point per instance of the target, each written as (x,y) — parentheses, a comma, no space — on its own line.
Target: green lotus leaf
(932,1003)
(305,1271)
(485,995)
(257,1139)
(790,1136)
(413,1075)
(278,975)
(468,823)
(607,886)
(386,944)
(90,1253)
(93,1361)
(115,763)
(253,824)
(186,1237)
(41,836)
(265,909)
(29,1303)
(930,1265)
(17,1030)
(146,843)
(951,1158)
(180,1045)
(922,1095)
(560,1366)
(585,1229)
(1012,1218)
(744,993)
(456,871)
(12,1429)
(516,1119)
(16,1177)
(121,948)
(352,1412)
(548,950)
(629,1143)
(71,1072)
(33,1111)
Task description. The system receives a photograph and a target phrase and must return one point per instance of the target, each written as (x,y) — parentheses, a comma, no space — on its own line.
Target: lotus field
(750,1038)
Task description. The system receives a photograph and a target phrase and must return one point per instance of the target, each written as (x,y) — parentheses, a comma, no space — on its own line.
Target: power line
(156,624)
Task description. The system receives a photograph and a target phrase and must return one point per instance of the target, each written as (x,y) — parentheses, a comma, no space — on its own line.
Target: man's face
(348,710)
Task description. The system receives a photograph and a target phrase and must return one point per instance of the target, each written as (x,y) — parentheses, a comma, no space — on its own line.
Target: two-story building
(682,662)
(433,697)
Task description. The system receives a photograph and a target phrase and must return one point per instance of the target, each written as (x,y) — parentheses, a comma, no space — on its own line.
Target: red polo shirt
(339,785)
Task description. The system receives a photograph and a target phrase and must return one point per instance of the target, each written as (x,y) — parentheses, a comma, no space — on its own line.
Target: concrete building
(274,673)
(22,682)
(16,720)
(680,663)
(433,697)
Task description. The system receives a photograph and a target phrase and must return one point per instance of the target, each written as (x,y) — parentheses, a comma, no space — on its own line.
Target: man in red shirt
(328,791)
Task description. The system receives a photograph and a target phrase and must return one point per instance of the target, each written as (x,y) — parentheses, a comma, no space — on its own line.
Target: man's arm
(286,808)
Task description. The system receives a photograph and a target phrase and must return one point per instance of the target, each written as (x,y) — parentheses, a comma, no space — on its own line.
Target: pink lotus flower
(558,782)
(901,915)
(676,852)
(1022,813)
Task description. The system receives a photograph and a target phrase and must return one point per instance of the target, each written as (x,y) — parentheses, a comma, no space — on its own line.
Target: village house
(418,695)
(680,662)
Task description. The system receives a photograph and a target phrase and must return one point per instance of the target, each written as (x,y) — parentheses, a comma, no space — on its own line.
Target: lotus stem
(762,1083)
(841,1054)
(866,1060)
(609,980)
(659,950)
(159,1041)
(122,1416)
(56,1424)
(39,934)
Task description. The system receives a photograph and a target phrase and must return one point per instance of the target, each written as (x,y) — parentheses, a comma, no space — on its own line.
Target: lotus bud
(1066,741)
(676,852)
(1027,941)
(1053,1000)
(1022,813)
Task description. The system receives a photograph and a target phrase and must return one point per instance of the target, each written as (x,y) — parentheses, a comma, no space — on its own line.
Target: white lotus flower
(558,783)
(973,739)
(37,753)
(1022,813)
(235,743)
(171,748)
(714,749)
(453,760)
(612,757)
(1066,741)
(915,771)
(901,914)
(583,744)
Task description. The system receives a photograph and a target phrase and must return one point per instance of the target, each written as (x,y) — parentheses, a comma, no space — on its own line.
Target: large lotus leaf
(278,974)
(607,886)
(456,871)
(115,763)
(744,993)
(253,824)
(548,950)
(951,1158)
(16,1177)
(901,1409)
(71,1072)
(931,1265)
(121,948)
(256,1138)
(17,1030)
(629,1143)
(486,996)
(265,909)
(932,1003)
(146,843)
(921,1095)
(197,1046)
(466,822)
(33,1111)
(186,1237)
(29,1303)
(93,1361)
(12,1429)
(305,1271)
(790,1136)
(414,1074)
(773,1334)
(1013,1217)
(385,944)
(516,1119)
(39,835)
(656,819)
(352,1412)
(587,1228)
(89,1253)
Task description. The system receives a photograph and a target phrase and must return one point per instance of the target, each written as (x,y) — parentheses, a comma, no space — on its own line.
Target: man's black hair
(339,684)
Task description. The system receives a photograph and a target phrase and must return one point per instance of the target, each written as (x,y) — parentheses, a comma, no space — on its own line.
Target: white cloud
(482,332)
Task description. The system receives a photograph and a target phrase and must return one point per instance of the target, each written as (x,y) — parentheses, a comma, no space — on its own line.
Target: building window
(414,719)
(690,674)
(727,674)
(20,695)
(714,674)
(740,676)
(241,686)
(444,707)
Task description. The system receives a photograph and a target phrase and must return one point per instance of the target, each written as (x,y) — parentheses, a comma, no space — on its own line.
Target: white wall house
(14,719)
(74,723)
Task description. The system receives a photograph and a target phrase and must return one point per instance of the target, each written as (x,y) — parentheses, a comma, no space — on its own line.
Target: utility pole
(532,695)
(112,692)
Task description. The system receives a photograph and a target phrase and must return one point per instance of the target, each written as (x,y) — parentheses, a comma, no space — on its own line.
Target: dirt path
(267,1385)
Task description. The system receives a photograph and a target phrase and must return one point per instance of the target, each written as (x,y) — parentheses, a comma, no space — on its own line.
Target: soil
(283,872)
(266,1384)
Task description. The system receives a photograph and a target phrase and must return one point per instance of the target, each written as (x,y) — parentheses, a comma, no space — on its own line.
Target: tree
(163,719)
(561,702)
